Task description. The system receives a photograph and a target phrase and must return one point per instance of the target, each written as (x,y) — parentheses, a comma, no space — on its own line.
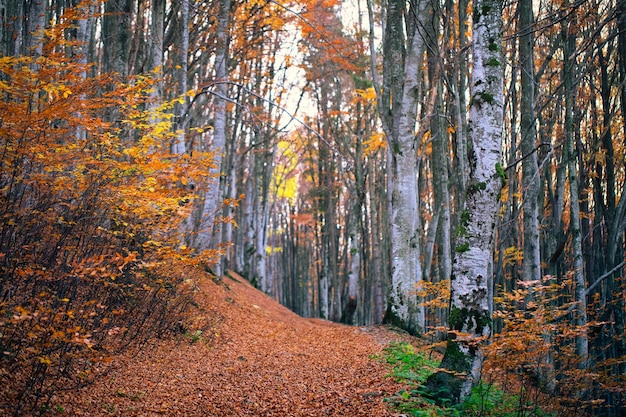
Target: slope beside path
(257,359)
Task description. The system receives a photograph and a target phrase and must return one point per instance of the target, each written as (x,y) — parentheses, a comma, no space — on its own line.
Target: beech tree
(530,169)
(470,300)
(205,229)
(398,102)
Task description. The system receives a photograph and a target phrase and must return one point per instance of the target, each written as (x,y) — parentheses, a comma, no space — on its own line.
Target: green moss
(476,16)
(391,317)
(462,248)
(493,62)
(460,318)
(493,47)
(486,9)
(501,172)
(453,351)
(479,186)
(465,217)
(487,98)
(461,229)
(455,317)
(408,365)
(444,387)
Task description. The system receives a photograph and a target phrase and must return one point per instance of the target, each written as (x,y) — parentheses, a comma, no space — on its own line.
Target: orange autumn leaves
(91,206)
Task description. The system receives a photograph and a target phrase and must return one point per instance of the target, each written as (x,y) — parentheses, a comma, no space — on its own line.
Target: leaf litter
(253,357)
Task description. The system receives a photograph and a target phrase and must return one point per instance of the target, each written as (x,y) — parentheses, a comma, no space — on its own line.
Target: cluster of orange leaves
(91,207)
(534,354)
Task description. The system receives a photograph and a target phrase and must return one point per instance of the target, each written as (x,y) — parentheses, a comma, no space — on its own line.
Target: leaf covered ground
(248,356)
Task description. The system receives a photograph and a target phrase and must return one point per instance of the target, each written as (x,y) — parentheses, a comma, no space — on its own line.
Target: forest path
(258,359)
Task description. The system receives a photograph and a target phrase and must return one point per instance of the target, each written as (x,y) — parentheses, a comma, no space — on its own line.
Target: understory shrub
(92,204)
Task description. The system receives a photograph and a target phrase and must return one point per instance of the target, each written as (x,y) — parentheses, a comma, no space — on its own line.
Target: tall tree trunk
(378,243)
(326,201)
(261,213)
(460,104)
(83,34)
(470,304)
(530,168)
(245,259)
(157,28)
(619,310)
(35,26)
(180,72)
(440,227)
(404,309)
(569,46)
(440,152)
(116,36)
(12,21)
(211,199)
(4,28)
(354,231)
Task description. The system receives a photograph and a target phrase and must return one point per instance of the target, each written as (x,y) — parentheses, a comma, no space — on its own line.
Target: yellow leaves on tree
(375,143)
(368,95)
(513,256)
(284,178)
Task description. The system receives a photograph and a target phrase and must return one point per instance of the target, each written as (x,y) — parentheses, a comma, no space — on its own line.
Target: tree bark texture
(582,342)
(530,168)
(404,309)
(211,199)
(470,304)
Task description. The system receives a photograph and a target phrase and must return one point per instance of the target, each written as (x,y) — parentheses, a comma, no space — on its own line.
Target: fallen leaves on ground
(256,359)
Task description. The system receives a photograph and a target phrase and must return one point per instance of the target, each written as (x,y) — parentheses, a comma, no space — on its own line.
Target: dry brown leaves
(259,360)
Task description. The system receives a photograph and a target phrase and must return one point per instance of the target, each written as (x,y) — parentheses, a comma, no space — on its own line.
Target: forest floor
(254,358)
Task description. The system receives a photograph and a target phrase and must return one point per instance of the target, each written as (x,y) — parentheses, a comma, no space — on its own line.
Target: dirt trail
(260,359)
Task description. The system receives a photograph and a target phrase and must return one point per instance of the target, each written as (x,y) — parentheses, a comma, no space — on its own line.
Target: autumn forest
(452,170)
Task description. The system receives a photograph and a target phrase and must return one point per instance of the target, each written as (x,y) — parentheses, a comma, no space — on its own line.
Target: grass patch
(408,365)
(412,367)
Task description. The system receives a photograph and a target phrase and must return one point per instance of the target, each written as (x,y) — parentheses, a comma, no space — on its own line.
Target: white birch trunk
(244,258)
(323,293)
(404,307)
(470,304)
(582,340)
(83,33)
(157,16)
(263,173)
(355,264)
(227,236)
(35,27)
(259,250)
